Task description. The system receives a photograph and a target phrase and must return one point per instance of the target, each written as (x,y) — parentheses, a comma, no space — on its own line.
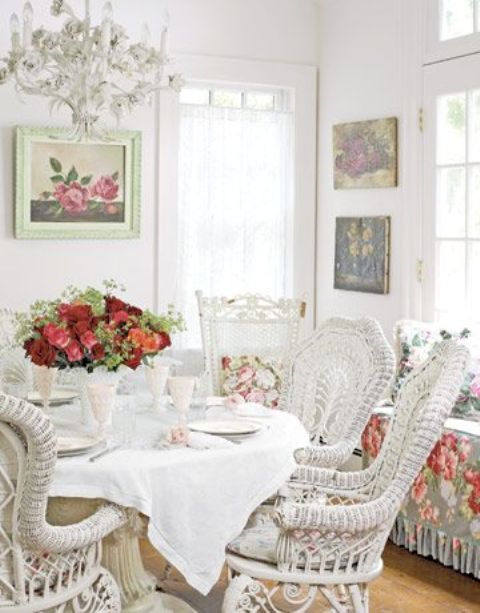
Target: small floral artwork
(365,154)
(251,379)
(77,189)
(362,254)
(92,197)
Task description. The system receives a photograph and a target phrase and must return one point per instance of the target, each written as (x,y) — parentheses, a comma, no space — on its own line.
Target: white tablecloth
(197,500)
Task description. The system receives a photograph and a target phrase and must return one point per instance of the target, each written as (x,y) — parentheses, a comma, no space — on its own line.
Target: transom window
(236,97)
(459,18)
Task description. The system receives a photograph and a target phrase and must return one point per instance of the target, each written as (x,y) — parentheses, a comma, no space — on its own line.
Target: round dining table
(189,502)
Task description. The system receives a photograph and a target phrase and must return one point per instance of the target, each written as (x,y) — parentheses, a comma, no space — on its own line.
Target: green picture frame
(68,189)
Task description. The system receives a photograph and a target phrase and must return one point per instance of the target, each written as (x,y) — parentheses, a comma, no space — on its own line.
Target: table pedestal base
(121,556)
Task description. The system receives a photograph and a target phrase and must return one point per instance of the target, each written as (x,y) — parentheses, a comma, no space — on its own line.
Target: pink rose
(234,400)
(105,188)
(178,436)
(475,386)
(88,340)
(56,336)
(73,198)
(419,488)
(245,373)
(255,395)
(74,351)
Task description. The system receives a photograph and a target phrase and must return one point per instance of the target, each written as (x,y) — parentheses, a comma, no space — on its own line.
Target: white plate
(225,427)
(253,409)
(75,445)
(59,396)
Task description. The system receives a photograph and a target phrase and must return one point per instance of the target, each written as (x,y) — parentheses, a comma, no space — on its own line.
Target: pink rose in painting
(105,188)
(73,198)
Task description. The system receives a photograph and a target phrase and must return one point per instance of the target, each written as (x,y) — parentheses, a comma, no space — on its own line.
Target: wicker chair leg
(103,596)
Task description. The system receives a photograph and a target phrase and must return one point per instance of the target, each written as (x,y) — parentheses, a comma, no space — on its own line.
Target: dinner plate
(59,396)
(77,445)
(225,427)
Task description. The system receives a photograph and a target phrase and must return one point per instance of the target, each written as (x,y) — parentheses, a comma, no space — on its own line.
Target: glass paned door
(452,191)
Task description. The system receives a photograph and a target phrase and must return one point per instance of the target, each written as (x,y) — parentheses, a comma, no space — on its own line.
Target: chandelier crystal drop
(94,70)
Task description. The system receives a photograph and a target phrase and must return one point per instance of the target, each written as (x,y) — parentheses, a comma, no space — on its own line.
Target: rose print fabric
(248,378)
(441,515)
(416,340)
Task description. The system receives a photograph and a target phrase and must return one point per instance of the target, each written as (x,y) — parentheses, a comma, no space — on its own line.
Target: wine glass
(44,378)
(102,399)
(157,375)
(181,391)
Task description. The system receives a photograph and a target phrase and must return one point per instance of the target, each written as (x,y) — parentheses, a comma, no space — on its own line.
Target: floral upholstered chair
(333,381)
(333,543)
(245,343)
(45,567)
(440,516)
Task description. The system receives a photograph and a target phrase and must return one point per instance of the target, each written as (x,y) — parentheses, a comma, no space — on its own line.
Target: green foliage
(56,165)
(86,180)
(57,178)
(72,175)
(456,113)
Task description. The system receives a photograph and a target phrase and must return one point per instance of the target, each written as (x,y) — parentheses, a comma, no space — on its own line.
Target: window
(235,195)
(458,18)
(453,28)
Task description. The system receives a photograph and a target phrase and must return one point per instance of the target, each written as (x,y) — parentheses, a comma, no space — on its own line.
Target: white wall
(361,76)
(278,30)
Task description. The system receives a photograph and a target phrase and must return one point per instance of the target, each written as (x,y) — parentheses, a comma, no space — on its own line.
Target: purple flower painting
(365,154)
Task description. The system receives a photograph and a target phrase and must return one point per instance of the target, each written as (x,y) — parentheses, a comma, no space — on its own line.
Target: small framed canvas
(362,254)
(365,154)
(70,189)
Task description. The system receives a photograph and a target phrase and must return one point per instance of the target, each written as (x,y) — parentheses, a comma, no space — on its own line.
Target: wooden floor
(409,584)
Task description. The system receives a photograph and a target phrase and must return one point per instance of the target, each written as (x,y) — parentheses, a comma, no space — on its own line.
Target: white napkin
(253,409)
(201,440)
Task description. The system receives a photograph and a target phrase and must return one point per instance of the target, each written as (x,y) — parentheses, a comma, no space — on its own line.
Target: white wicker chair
(332,383)
(245,325)
(333,543)
(44,567)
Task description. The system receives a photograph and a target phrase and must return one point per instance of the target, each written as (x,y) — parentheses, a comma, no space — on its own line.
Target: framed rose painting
(69,189)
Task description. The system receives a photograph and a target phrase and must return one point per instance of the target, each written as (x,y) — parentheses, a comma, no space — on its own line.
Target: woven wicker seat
(334,544)
(44,567)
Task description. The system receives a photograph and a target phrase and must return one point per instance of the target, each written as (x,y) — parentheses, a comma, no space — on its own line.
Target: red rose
(98,352)
(134,311)
(163,340)
(74,352)
(113,304)
(56,336)
(135,358)
(88,340)
(41,352)
(73,313)
(105,188)
(120,317)
(81,328)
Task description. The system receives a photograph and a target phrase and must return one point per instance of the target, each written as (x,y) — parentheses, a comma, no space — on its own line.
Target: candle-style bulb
(107,12)
(28,12)
(14,24)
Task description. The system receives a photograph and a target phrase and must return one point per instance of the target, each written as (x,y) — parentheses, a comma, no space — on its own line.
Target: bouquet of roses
(92,328)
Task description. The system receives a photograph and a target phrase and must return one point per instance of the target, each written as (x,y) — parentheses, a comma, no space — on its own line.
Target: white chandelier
(92,70)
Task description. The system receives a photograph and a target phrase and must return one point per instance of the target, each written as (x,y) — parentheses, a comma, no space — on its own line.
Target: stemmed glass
(181,391)
(157,375)
(44,379)
(102,399)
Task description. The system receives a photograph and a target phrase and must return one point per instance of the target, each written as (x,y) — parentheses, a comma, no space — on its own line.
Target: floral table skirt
(441,515)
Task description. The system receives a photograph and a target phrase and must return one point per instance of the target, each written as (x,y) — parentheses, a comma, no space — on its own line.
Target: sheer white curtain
(235,205)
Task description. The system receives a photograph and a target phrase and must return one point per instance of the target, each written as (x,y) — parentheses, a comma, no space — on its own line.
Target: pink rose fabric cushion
(248,378)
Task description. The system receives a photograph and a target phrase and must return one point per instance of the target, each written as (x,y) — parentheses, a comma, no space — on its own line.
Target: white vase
(98,376)
(44,379)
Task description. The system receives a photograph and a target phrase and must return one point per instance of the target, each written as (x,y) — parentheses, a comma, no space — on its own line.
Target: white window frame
(437,50)
(302,80)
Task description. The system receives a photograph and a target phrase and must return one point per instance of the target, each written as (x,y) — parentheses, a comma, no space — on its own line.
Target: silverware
(104,452)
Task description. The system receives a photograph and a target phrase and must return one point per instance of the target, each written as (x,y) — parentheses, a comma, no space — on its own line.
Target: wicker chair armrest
(326,456)
(42,536)
(351,519)
(329,478)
